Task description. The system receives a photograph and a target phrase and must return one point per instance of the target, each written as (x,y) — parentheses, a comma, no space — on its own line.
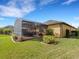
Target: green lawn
(33,49)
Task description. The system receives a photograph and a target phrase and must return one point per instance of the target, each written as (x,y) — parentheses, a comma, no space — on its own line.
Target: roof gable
(51,22)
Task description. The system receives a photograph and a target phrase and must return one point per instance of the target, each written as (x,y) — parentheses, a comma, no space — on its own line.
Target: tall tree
(1,31)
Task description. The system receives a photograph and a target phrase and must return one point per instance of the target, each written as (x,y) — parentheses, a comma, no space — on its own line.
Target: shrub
(49,32)
(49,39)
(77,34)
(15,37)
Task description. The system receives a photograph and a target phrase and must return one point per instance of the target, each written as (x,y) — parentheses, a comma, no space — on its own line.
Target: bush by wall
(49,32)
(49,39)
(78,34)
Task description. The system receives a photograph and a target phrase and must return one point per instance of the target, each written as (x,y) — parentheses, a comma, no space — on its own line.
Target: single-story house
(61,29)
(25,28)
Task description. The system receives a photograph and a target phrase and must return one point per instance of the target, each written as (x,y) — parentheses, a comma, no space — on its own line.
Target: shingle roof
(49,22)
(52,22)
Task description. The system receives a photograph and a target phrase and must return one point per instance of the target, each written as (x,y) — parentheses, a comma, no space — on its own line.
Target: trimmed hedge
(49,39)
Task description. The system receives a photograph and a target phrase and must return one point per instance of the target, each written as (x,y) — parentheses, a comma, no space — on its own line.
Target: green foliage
(78,34)
(49,32)
(14,37)
(49,39)
(5,31)
(1,31)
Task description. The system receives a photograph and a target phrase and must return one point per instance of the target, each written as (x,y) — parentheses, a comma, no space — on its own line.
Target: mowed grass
(34,49)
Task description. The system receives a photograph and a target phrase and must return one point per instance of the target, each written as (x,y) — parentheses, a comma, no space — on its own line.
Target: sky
(39,11)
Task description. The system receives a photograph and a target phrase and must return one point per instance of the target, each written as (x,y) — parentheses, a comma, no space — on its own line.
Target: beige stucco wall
(60,29)
(63,29)
(56,29)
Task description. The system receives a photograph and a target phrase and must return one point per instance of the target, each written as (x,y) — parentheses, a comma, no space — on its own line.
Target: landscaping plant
(49,37)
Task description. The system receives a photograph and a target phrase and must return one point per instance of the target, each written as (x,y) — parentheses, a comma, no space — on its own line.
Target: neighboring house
(29,28)
(61,29)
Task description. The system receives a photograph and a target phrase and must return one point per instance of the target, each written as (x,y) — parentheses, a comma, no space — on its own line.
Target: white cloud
(10,11)
(45,2)
(77,18)
(75,24)
(1,18)
(17,8)
(68,2)
(1,26)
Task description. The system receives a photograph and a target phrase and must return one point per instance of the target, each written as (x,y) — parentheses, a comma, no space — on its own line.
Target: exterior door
(67,33)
